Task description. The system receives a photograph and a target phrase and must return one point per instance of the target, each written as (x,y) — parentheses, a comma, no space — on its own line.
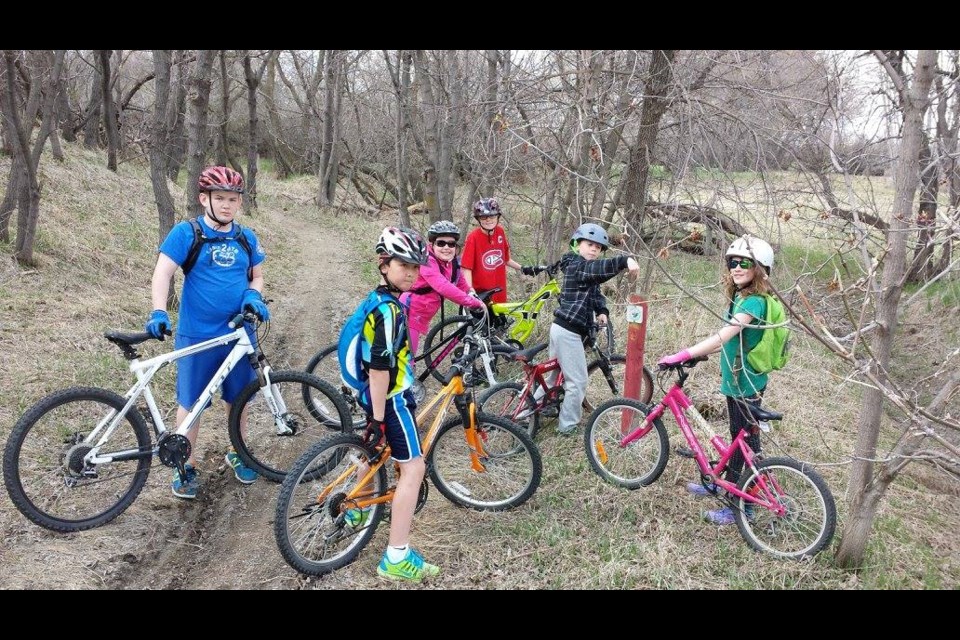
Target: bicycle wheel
(809,516)
(442,340)
(325,364)
(43,461)
(501,400)
(600,388)
(272,443)
(511,464)
(639,463)
(309,525)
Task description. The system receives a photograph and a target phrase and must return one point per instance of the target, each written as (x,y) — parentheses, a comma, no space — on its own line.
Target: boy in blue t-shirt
(224,279)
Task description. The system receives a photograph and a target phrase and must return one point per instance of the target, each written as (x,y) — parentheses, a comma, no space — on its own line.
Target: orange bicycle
(492,466)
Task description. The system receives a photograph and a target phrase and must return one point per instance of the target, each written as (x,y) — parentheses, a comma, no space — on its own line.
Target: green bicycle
(511,323)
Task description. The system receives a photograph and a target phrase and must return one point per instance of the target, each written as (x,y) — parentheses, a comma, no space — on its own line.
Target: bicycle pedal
(683,452)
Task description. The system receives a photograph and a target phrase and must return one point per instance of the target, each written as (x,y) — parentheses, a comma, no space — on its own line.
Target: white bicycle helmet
(750,247)
(403,243)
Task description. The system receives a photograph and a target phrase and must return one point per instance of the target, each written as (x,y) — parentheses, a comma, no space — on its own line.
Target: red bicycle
(536,397)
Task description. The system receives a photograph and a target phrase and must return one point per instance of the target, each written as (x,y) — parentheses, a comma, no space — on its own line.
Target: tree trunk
(282,167)
(638,164)
(91,115)
(42,89)
(176,119)
(914,98)
(921,267)
(329,157)
(159,141)
(400,76)
(109,109)
(428,107)
(198,100)
(253,79)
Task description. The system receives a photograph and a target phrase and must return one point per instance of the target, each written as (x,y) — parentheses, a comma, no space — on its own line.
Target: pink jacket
(436,275)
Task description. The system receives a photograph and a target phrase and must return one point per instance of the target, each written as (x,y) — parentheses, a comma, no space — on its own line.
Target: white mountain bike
(80,456)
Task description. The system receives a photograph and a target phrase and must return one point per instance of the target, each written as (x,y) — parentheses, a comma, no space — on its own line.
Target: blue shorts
(401,425)
(195,372)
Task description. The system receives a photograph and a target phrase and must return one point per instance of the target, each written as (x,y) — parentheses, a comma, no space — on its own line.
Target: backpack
(771,352)
(200,238)
(350,345)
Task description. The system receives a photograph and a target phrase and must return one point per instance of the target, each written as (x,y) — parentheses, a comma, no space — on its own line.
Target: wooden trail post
(636,339)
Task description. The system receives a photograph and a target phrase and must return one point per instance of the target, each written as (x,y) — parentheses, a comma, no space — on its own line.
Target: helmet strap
(220,223)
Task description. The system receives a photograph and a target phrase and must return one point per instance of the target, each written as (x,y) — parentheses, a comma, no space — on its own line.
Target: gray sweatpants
(567,348)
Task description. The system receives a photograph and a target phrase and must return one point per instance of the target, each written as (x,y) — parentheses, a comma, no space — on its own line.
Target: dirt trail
(224,538)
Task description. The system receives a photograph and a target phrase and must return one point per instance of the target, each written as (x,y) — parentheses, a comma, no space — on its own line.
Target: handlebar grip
(455,370)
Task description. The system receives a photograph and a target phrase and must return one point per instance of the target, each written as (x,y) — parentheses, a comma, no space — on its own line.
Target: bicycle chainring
(173,449)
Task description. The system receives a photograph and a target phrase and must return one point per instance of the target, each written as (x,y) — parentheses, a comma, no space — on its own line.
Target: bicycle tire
(510,451)
(300,520)
(56,497)
(437,344)
(325,364)
(501,400)
(262,448)
(637,465)
(810,519)
(599,390)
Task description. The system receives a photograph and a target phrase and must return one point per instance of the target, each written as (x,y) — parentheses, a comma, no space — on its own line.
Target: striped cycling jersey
(386,345)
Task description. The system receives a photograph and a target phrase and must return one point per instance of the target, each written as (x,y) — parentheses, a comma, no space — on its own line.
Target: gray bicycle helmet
(486,207)
(593,233)
(442,228)
(403,243)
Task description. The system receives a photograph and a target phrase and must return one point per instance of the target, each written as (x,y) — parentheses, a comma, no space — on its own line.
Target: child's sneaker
(357,518)
(412,567)
(701,491)
(244,474)
(185,487)
(720,516)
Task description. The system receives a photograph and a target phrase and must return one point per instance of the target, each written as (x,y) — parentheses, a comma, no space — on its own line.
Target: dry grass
(96,248)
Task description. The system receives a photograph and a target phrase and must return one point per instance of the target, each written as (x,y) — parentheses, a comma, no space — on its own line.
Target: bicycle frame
(681,407)
(361,497)
(525,313)
(145,371)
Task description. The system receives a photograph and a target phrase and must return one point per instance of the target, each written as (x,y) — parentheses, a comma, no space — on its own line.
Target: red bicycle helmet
(220,179)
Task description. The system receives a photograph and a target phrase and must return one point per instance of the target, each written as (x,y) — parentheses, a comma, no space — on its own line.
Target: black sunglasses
(445,243)
(743,263)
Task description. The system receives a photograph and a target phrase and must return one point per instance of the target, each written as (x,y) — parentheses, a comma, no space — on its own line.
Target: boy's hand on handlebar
(633,266)
(158,325)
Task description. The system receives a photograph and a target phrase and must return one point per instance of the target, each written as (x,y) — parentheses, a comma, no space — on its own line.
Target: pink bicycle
(781,506)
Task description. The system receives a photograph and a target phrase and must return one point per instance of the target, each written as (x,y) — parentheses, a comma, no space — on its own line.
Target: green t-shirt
(736,377)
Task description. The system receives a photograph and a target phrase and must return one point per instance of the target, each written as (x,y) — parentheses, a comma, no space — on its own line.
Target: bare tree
(109,110)
(866,486)
(198,99)
(41,99)
(253,78)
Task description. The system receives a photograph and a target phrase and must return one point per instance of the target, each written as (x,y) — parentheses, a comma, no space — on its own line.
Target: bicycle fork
(274,399)
(468,414)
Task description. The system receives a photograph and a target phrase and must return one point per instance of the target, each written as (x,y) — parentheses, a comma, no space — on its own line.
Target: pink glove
(677,358)
(475,302)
